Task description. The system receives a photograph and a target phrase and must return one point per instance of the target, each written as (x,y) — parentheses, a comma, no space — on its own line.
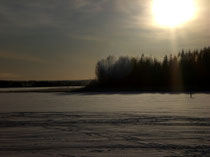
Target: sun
(172,13)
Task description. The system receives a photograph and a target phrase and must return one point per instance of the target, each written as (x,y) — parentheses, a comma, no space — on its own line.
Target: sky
(64,39)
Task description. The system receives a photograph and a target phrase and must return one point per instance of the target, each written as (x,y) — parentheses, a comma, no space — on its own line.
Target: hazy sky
(63,39)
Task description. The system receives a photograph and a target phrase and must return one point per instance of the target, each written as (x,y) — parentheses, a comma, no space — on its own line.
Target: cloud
(70,15)
(52,13)
(51,25)
(9,76)
(21,57)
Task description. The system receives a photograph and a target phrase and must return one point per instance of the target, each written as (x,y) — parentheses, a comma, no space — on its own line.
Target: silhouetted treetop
(189,70)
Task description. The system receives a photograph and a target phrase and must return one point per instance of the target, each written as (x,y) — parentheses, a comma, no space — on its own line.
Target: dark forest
(186,71)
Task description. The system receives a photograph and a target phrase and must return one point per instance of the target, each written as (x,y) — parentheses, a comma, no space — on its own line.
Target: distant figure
(190,95)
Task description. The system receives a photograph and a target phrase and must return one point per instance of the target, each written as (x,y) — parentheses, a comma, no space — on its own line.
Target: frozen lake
(104,124)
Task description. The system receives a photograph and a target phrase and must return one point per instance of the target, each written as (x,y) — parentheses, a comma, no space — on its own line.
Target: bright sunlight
(173,13)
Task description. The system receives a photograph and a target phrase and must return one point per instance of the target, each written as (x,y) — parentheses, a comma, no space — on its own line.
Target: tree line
(11,83)
(186,71)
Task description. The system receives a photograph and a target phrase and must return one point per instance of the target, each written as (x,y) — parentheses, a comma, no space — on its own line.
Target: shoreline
(85,90)
(39,89)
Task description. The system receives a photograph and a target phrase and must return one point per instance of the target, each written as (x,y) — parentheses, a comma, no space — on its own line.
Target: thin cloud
(21,57)
(9,76)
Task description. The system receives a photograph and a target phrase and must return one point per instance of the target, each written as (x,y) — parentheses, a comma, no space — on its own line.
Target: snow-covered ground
(104,124)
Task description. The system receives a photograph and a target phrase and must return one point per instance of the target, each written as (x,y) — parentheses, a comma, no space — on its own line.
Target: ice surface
(101,125)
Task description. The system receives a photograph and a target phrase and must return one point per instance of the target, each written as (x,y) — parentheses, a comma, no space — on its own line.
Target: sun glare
(172,13)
